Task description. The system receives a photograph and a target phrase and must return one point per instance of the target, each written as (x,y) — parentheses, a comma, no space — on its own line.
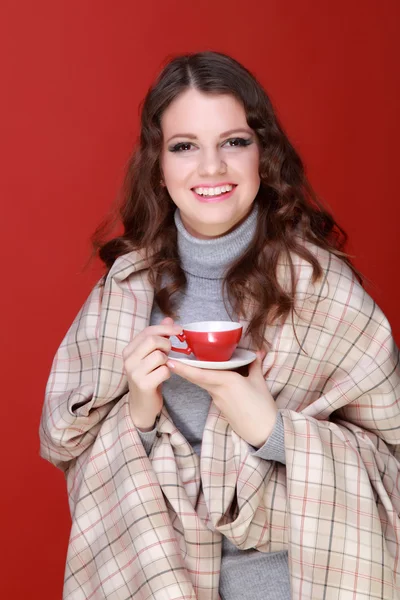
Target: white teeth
(213,191)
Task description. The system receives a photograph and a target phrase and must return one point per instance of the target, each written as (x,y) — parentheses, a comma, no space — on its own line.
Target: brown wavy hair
(285,199)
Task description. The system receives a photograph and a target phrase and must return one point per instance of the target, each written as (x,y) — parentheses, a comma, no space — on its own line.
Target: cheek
(253,161)
(247,165)
(175,171)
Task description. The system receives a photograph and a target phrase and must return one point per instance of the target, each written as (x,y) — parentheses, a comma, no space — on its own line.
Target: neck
(211,257)
(213,233)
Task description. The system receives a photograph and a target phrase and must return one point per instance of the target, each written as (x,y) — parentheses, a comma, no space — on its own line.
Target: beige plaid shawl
(151,527)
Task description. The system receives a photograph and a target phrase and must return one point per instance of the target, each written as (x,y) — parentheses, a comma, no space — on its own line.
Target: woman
(192,483)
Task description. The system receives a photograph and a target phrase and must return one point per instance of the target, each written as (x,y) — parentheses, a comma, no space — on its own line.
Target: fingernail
(170,364)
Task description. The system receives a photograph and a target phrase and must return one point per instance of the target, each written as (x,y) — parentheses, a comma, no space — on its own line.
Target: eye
(233,143)
(182,147)
(237,142)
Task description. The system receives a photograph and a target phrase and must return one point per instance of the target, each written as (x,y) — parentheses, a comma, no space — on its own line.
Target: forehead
(200,113)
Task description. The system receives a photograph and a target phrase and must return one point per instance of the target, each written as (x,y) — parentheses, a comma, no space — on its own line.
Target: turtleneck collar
(210,258)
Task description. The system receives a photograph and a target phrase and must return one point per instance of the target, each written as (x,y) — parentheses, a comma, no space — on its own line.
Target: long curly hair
(286,200)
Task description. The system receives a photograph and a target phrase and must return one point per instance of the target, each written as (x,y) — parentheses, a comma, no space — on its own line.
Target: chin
(212,227)
(216,219)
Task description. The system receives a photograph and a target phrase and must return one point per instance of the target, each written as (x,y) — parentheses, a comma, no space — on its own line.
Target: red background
(73,76)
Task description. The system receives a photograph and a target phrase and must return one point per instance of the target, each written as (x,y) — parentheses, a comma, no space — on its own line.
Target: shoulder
(117,280)
(126,264)
(336,299)
(336,273)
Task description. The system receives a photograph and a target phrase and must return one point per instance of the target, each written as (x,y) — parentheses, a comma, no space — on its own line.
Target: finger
(263,353)
(167,321)
(167,331)
(158,376)
(205,378)
(142,372)
(152,343)
(255,368)
(154,379)
(147,348)
(151,362)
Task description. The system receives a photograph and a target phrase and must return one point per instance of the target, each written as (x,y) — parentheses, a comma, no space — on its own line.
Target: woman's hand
(144,364)
(246,402)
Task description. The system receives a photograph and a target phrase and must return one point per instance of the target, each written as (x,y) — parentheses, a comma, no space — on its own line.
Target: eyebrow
(191,136)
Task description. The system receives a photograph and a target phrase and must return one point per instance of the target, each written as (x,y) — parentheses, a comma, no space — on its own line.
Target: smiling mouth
(233,186)
(214,198)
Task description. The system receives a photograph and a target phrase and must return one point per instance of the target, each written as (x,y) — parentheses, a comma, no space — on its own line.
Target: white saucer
(239,359)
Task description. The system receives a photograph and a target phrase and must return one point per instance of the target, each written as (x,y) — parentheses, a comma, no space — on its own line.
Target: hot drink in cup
(210,340)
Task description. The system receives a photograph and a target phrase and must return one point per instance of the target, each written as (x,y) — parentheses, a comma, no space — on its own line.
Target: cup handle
(182,338)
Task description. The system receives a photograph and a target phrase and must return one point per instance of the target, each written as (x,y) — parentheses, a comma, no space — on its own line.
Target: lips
(234,185)
(213,185)
(214,199)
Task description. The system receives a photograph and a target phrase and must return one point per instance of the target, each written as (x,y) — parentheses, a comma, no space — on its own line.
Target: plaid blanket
(151,527)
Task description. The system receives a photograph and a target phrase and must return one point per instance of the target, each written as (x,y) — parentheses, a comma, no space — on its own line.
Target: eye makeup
(241,142)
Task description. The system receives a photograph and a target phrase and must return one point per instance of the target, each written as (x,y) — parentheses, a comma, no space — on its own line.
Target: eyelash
(242,143)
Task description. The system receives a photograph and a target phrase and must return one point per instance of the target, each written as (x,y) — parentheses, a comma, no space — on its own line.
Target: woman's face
(207,143)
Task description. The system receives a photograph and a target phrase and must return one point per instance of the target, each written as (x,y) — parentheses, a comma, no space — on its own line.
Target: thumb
(167,321)
(255,368)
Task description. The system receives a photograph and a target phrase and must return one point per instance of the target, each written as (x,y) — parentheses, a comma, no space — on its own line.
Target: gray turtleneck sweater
(245,574)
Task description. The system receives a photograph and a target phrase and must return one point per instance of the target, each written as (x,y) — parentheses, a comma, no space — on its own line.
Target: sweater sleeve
(148,438)
(274,447)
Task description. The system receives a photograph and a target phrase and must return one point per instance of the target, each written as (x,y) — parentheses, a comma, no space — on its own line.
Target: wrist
(142,418)
(144,429)
(262,436)
(143,423)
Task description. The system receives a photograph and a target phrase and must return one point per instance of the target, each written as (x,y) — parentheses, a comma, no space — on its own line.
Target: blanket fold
(145,524)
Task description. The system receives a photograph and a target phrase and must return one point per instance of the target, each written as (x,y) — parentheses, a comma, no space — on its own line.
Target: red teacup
(210,340)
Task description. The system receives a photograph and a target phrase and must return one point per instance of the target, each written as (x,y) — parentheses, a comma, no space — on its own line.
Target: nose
(211,163)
